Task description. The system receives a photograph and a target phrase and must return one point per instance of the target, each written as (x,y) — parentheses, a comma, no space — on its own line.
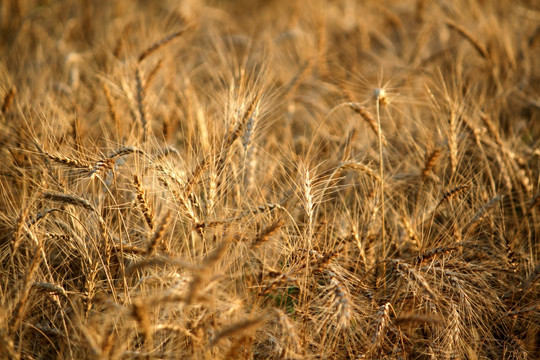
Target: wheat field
(269,179)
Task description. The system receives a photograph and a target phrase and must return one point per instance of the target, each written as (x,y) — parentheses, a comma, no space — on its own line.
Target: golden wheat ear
(8,100)
(142,197)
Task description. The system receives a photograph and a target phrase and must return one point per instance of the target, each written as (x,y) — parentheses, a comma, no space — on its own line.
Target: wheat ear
(140,314)
(469,37)
(381,100)
(235,329)
(8,99)
(112,110)
(159,233)
(266,232)
(144,203)
(20,307)
(449,195)
(383,318)
(141,105)
(430,162)
(154,47)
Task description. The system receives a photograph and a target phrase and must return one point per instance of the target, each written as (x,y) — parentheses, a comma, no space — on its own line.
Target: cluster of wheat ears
(269,179)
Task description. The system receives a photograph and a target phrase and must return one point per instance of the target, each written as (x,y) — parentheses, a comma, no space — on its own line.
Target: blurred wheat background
(269,179)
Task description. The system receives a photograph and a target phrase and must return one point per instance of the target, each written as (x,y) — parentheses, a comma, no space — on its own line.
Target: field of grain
(269,179)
